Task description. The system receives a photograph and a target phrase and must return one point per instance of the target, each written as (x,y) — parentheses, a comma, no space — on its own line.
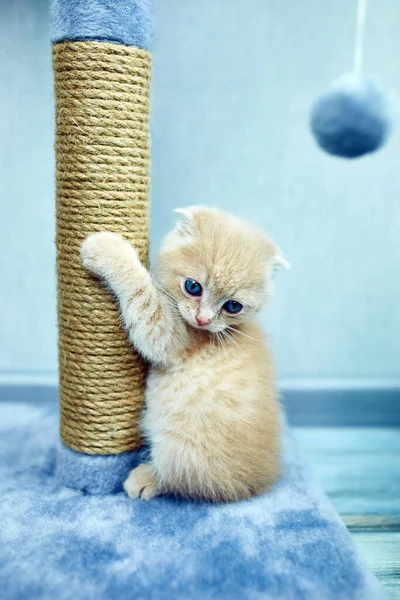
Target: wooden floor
(359,468)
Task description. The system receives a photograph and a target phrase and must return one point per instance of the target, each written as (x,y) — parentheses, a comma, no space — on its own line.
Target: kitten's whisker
(164,291)
(242,333)
(225,345)
(213,339)
(231,339)
(226,336)
(174,302)
(221,341)
(234,341)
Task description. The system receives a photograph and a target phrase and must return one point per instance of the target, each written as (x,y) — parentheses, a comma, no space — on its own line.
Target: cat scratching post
(102,70)
(288,543)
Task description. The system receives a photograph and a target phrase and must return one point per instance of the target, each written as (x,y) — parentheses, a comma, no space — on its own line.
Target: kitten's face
(217,269)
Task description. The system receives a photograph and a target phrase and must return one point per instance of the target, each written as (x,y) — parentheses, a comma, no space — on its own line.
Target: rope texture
(102,95)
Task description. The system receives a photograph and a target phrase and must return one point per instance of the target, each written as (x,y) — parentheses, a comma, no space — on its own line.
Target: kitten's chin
(209,328)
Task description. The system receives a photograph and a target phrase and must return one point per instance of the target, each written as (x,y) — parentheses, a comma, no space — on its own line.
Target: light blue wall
(233,83)
(27,262)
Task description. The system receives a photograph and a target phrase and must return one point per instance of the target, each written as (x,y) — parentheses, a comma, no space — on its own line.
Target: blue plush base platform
(57,543)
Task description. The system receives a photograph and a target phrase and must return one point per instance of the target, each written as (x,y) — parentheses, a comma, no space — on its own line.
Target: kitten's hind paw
(141,483)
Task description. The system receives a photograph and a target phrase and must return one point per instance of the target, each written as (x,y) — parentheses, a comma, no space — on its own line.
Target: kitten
(212,415)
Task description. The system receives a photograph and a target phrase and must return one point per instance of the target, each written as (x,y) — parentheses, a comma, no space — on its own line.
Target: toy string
(359,38)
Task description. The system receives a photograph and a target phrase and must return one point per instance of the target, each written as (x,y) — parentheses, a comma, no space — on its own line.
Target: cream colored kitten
(211,416)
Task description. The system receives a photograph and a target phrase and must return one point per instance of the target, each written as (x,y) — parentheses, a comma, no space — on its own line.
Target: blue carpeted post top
(128,22)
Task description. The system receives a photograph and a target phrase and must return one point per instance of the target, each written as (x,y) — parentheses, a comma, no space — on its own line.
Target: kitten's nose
(202,321)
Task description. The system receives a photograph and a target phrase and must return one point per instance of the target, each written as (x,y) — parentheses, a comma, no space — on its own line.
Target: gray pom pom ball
(352,118)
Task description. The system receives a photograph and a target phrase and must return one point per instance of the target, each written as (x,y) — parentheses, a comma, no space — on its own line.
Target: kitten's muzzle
(202,322)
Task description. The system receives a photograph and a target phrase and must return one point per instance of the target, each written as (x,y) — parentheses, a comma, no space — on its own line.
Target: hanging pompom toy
(352,118)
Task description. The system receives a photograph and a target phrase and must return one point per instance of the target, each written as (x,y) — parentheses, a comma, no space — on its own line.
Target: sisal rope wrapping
(102,95)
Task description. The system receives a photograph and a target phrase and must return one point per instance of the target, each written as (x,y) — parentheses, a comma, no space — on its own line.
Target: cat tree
(57,542)
(102,92)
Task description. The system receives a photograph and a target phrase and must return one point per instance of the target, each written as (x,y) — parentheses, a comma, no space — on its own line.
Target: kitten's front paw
(100,251)
(141,483)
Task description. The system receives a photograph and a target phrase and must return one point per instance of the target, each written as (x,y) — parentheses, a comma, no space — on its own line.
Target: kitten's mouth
(201,327)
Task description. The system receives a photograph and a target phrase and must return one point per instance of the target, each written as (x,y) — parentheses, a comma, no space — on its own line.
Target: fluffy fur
(212,416)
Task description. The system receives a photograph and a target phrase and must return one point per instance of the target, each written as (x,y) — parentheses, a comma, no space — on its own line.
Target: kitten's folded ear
(278,262)
(187,222)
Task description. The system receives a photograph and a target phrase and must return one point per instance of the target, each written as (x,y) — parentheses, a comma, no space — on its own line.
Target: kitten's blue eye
(232,307)
(193,288)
